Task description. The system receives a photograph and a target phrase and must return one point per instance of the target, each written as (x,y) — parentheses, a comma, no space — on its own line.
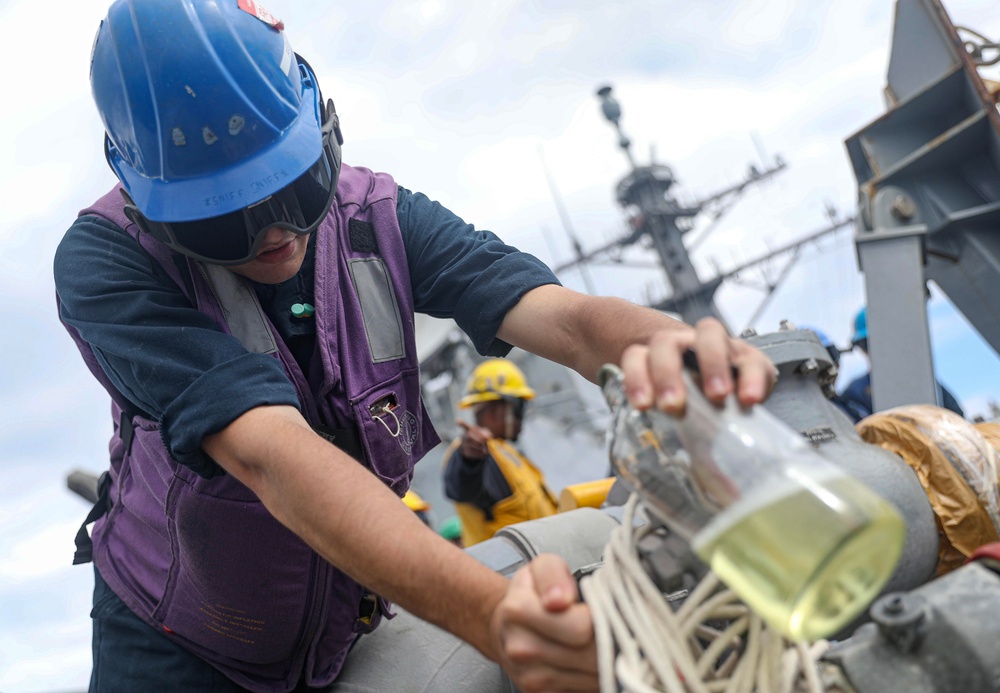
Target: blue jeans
(131,657)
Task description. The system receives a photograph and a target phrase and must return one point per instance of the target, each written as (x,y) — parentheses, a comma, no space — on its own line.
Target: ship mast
(653,211)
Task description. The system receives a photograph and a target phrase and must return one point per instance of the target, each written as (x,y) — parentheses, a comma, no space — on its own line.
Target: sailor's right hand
(653,370)
(542,633)
(474,439)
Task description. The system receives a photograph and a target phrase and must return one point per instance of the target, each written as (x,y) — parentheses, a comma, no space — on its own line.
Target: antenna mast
(645,194)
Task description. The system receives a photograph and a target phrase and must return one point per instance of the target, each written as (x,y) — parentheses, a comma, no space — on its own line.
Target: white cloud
(32,556)
(61,665)
(757,21)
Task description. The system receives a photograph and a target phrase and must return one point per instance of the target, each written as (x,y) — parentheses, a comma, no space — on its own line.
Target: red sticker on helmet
(260,13)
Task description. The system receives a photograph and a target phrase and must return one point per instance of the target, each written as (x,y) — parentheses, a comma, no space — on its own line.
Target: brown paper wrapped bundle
(956,464)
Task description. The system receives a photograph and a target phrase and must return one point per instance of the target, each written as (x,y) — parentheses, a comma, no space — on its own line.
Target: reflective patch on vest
(242,310)
(378,308)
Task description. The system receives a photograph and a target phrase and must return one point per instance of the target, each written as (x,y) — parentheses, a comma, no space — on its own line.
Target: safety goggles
(235,238)
(517,406)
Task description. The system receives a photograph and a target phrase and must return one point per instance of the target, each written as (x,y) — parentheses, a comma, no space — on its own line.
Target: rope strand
(644,646)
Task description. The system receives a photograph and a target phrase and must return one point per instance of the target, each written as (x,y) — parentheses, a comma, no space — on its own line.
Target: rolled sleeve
(218,397)
(464,273)
(492,293)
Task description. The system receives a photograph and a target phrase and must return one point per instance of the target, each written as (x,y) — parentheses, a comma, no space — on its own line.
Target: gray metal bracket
(928,173)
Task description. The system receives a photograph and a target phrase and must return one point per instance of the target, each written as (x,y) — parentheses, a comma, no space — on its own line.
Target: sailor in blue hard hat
(247,300)
(834,352)
(219,133)
(857,396)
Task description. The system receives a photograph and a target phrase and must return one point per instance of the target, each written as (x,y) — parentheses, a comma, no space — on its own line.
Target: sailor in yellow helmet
(492,483)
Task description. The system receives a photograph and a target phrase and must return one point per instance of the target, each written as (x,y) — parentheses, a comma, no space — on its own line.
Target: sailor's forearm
(354,521)
(611,325)
(580,331)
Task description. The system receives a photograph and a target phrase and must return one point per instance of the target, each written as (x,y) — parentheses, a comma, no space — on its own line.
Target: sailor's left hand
(543,635)
(653,371)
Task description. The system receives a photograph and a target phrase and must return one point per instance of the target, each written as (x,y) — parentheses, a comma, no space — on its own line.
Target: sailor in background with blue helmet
(834,352)
(857,396)
(247,300)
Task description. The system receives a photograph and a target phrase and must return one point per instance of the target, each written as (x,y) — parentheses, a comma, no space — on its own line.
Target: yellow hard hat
(415,502)
(493,380)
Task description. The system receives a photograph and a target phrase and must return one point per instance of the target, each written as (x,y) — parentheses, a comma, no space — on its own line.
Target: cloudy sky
(462,101)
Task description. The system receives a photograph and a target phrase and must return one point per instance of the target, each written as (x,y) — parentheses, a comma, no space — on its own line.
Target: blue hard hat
(207,108)
(860,326)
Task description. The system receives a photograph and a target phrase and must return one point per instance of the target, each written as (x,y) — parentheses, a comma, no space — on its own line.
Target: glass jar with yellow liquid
(803,543)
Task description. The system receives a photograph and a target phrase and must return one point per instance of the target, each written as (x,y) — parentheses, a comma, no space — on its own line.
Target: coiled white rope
(644,646)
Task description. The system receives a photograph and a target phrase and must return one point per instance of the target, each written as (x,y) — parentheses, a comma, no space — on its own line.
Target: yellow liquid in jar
(808,559)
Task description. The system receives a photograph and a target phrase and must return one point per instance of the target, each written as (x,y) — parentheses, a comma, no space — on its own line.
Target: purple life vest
(202,559)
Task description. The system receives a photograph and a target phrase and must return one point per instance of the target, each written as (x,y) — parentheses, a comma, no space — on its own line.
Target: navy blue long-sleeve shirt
(479,482)
(176,366)
(856,399)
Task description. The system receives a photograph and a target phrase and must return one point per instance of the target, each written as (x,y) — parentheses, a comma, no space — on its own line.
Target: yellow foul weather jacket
(530,498)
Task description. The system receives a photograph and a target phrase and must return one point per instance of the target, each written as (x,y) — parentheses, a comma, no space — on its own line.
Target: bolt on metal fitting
(807,367)
(903,208)
(901,620)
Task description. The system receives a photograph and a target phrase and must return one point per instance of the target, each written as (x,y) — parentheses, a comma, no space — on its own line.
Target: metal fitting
(901,620)
(903,208)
